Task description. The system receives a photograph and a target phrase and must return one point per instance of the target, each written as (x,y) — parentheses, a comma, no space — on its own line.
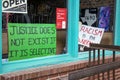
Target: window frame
(117,23)
(72,45)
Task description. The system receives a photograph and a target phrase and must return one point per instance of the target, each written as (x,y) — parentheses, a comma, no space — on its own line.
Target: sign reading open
(14,6)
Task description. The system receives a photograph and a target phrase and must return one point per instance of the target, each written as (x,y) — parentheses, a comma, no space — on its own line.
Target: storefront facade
(71,42)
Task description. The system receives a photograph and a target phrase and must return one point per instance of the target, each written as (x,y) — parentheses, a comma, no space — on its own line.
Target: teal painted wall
(117,23)
(0,36)
(73,20)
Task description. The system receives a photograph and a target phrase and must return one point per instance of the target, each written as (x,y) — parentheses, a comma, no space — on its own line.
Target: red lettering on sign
(90,30)
(85,42)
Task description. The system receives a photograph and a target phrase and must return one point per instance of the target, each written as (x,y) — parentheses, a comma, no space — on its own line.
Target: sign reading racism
(31,40)
(14,6)
(88,34)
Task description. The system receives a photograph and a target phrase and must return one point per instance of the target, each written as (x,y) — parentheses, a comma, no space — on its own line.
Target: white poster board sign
(14,6)
(88,34)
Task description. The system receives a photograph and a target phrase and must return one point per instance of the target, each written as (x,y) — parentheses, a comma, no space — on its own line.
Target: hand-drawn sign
(31,40)
(88,34)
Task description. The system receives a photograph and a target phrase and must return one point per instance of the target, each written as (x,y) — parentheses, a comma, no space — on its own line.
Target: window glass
(43,35)
(98,15)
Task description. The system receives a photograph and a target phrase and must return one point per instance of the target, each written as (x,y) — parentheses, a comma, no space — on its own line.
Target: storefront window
(98,15)
(39,32)
(48,17)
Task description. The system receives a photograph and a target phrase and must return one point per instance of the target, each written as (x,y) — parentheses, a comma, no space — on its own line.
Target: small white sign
(88,34)
(14,6)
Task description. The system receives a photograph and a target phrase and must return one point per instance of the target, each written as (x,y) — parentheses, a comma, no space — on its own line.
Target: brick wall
(96,3)
(55,72)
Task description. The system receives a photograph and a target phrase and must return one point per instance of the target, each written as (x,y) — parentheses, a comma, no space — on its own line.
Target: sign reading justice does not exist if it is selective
(88,34)
(31,40)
